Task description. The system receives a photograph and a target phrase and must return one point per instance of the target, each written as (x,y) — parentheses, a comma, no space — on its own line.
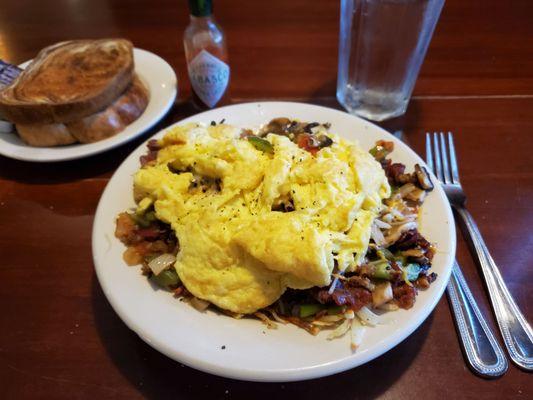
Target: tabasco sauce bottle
(207,56)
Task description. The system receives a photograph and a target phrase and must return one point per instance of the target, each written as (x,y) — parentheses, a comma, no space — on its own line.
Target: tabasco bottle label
(209,77)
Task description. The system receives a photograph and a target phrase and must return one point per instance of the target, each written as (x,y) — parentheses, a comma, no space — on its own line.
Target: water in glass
(382,44)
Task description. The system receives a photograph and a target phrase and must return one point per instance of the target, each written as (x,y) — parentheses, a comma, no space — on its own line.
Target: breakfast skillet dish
(289,224)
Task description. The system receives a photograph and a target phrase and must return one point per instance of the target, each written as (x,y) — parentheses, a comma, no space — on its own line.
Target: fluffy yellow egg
(221,196)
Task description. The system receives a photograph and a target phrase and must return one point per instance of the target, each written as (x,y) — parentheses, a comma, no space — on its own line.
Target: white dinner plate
(245,349)
(161,81)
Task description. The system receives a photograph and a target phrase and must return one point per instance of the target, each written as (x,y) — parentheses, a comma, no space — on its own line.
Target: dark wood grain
(59,337)
(289,48)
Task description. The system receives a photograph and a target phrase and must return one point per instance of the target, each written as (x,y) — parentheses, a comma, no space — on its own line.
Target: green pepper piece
(379,152)
(334,310)
(382,270)
(166,278)
(150,216)
(143,206)
(141,220)
(307,310)
(261,144)
(385,254)
(412,271)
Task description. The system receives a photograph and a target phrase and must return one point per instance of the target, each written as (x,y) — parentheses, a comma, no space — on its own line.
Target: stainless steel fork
(516,331)
(482,351)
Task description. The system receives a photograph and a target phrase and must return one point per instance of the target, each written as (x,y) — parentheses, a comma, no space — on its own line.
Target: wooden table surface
(59,337)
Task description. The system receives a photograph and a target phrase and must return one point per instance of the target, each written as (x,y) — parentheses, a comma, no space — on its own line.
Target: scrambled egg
(236,251)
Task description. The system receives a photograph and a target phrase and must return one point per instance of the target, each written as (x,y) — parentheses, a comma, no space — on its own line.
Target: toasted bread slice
(123,111)
(68,81)
(45,135)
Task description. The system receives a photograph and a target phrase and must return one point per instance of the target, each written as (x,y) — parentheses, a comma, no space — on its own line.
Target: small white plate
(253,352)
(155,73)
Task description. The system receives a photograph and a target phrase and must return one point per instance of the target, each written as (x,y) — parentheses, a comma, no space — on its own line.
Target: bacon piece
(395,173)
(147,158)
(126,228)
(359,281)
(153,148)
(153,145)
(392,171)
(422,282)
(432,277)
(404,295)
(411,239)
(181,291)
(150,233)
(353,297)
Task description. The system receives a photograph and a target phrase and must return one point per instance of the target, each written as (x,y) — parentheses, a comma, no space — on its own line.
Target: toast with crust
(69,81)
(115,118)
(108,122)
(45,135)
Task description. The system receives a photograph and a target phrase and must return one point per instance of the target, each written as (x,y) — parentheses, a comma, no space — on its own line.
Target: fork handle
(516,331)
(482,351)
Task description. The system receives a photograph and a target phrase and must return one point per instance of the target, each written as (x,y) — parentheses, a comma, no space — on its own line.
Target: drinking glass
(382,44)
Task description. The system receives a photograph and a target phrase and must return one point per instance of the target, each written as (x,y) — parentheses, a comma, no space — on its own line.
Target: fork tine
(429,153)
(453,160)
(444,156)
(438,165)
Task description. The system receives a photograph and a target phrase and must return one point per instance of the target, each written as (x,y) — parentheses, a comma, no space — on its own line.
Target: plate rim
(157,116)
(289,374)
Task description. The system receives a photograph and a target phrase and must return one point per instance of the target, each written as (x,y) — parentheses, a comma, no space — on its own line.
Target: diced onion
(382,294)
(277,317)
(161,263)
(331,318)
(389,307)
(397,214)
(349,314)
(387,217)
(199,304)
(340,330)
(397,232)
(417,195)
(367,317)
(407,218)
(382,225)
(267,321)
(358,332)
(376,234)
(406,189)
(322,323)
(333,285)
(413,253)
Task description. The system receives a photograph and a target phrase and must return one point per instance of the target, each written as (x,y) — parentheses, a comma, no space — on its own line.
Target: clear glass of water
(382,44)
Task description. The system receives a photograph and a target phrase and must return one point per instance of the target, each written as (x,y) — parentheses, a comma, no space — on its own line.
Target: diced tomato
(306,142)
